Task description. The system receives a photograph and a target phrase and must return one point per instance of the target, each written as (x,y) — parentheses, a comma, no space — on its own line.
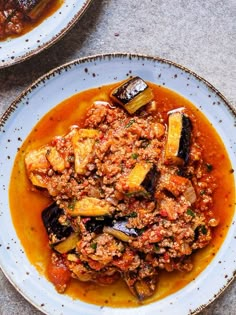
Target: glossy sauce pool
(26,205)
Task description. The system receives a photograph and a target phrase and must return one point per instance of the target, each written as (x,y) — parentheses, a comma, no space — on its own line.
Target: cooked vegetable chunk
(39,180)
(96,225)
(117,234)
(51,219)
(68,244)
(133,94)
(56,160)
(119,230)
(150,180)
(144,289)
(178,140)
(142,179)
(33,8)
(89,206)
(35,160)
(37,166)
(83,141)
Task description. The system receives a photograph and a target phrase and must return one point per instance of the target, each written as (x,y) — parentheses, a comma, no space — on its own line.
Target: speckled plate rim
(28,50)
(226,255)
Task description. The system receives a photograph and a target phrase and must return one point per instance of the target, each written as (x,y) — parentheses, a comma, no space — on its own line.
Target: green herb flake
(209,167)
(203,229)
(134,156)
(93,246)
(133,215)
(202,192)
(141,231)
(190,212)
(71,206)
(86,265)
(130,123)
(156,247)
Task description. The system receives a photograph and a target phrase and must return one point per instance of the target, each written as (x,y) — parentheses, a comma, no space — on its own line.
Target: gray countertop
(200,35)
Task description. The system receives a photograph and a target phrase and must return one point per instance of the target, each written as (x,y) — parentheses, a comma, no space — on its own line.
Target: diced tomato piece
(59,275)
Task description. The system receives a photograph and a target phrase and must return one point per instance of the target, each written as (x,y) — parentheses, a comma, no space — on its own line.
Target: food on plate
(19,16)
(129,193)
(132,94)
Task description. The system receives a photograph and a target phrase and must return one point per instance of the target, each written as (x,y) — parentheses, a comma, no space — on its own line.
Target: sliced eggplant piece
(178,139)
(132,94)
(141,288)
(36,161)
(56,160)
(117,234)
(68,244)
(83,142)
(57,232)
(39,180)
(142,180)
(89,206)
(33,8)
(150,180)
(94,225)
(145,288)
(121,225)
(119,230)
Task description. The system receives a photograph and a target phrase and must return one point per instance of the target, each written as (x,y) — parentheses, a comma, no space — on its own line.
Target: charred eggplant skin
(178,139)
(56,231)
(130,89)
(141,181)
(185,138)
(132,94)
(96,226)
(120,225)
(150,181)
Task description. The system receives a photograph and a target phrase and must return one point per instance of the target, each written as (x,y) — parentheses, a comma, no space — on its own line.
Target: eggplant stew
(131,190)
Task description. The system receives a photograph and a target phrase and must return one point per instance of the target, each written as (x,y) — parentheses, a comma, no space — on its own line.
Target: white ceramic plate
(44,35)
(50,90)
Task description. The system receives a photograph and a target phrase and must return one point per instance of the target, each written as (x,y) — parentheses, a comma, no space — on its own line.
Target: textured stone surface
(197,34)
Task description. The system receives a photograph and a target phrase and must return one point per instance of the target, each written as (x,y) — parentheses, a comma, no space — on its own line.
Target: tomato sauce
(26,205)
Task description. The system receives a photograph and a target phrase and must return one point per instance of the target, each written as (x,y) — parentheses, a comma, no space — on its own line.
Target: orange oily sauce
(26,205)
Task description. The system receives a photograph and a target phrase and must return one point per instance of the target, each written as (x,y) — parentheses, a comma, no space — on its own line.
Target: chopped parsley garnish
(190,212)
(156,247)
(203,229)
(71,206)
(134,156)
(209,167)
(93,246)
(130,123)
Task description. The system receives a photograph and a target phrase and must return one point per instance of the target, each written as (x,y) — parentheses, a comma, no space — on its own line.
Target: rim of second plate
(27,55)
